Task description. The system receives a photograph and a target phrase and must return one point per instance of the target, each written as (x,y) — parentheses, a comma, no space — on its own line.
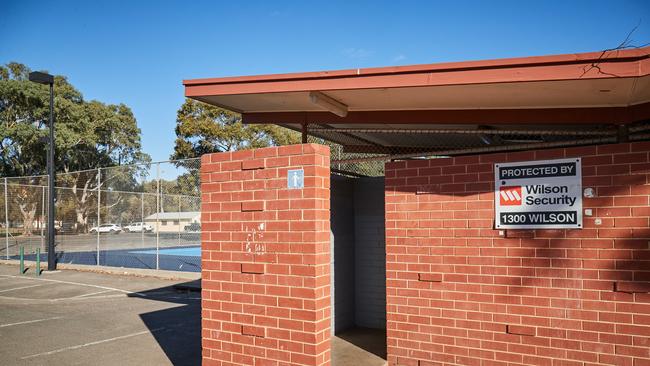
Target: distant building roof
(189,215)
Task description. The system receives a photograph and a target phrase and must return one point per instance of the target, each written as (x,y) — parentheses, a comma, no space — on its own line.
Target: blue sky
(138,52)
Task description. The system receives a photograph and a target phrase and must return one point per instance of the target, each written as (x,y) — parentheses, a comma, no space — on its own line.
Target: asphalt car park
(82,318)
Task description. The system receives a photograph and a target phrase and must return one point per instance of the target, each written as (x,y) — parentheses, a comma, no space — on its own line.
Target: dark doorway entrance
(358,269)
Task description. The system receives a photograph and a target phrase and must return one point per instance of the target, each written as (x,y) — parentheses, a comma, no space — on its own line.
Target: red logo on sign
(510,196)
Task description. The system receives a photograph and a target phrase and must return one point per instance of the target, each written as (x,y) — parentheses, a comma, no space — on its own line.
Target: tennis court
(183,252)
(71,317)
(125,251)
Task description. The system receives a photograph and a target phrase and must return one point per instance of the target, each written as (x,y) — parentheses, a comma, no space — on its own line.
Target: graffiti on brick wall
(253,236)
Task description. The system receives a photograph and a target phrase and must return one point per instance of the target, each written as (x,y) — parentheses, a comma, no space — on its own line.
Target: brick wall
(459,293)
(265,257)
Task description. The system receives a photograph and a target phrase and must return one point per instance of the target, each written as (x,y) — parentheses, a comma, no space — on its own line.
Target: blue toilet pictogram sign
(295,179)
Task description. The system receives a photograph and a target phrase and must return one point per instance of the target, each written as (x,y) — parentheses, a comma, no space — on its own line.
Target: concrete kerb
(135,272)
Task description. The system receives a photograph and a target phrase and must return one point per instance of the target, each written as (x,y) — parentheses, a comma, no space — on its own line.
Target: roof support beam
(552,116)
(386,150)
(328,103)
(482,130)
(304,132)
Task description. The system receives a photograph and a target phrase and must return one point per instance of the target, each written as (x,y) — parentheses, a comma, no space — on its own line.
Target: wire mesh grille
(339,158)
(362,149)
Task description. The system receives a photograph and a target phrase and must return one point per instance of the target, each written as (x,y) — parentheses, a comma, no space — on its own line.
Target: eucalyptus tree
(89,135)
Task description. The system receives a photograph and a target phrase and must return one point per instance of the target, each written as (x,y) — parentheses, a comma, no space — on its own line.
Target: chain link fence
(133,216)
(23,210)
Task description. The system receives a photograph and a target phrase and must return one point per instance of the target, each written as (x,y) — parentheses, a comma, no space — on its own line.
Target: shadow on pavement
(178,329)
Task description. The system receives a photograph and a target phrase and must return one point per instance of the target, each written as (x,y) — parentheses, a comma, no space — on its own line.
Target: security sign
(544,194)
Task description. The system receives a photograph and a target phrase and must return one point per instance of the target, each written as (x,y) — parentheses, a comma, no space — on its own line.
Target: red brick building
(302,244)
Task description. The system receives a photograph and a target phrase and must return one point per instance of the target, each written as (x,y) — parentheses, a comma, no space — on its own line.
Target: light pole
(43,78)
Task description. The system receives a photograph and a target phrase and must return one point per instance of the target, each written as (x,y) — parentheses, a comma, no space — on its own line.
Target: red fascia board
(619,63)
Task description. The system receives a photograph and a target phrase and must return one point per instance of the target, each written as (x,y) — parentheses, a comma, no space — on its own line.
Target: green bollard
(22,260)
(38,261)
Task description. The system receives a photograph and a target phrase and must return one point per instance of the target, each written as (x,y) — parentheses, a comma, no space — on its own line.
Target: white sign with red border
(542,194)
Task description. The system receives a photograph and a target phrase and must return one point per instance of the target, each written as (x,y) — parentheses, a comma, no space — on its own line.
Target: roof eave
(556,66)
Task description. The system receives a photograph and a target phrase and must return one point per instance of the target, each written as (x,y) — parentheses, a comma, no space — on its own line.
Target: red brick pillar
(266,257)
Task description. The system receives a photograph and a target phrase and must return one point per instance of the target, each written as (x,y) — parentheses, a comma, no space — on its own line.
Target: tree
(89,135)
(203,129)
(180,194)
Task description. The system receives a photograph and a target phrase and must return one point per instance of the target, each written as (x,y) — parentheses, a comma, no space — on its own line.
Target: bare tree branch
(625,44)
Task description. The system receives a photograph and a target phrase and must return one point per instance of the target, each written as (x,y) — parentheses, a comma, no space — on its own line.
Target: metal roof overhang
(450,108)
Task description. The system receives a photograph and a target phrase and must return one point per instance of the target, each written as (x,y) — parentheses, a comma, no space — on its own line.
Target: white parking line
(90,294)
(20,288)
(79,284)
(29,322)
(91,343)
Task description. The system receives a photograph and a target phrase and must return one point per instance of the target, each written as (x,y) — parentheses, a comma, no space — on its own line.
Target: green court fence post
(38,261)
(22,260)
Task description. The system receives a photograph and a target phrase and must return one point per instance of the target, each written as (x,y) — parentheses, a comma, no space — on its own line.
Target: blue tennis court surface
(186,259)
(184,252)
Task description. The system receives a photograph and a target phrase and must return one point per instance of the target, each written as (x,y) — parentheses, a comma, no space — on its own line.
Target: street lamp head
(41,78)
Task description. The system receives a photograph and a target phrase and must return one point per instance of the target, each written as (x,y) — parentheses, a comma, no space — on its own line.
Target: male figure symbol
(296,179)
